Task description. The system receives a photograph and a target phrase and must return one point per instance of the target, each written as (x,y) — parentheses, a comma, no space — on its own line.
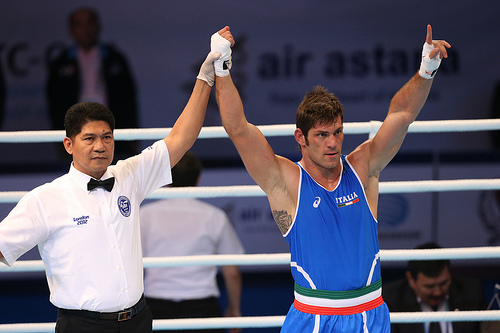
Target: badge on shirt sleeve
(124,206)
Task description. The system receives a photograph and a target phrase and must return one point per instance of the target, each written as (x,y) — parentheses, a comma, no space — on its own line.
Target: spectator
(429,286)
(3,93)
(184,227)
(93,71)
(495,113)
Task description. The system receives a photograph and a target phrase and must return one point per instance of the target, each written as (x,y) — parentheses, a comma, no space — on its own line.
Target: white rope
(211,132)
(273,321)
(439,185)
(277,321)
(255,191)
(385,187)
(28,328)
(420,317)
(219,322)
(487,252)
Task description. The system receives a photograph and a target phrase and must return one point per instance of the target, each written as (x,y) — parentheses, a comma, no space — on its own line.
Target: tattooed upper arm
(283,220)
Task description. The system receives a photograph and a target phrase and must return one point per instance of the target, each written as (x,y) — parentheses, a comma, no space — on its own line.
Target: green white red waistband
(325,302)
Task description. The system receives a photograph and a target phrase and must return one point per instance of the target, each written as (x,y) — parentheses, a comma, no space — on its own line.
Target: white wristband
(207,69)
(223,46)
(428,66)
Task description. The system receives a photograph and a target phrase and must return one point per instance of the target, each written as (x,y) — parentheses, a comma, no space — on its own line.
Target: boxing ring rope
(487,252)
(271,321)
(212,132)
(417,186)
(280,258)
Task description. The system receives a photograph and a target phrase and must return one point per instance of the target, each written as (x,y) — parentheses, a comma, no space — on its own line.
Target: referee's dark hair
(187,171)
(81,113)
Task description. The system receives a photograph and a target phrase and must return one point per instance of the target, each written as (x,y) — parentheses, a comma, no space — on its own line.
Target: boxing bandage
(428,66)
(207,69)
(223,46)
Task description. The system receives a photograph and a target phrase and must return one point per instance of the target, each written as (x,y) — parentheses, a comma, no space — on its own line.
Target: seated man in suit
(429,286)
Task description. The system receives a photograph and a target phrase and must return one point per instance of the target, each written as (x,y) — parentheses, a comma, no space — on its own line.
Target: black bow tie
(106,184)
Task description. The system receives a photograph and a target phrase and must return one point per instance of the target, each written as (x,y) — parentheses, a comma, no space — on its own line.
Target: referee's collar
(82,178)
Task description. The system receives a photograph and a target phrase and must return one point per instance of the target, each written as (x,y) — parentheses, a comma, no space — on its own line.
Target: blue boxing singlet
(335,259)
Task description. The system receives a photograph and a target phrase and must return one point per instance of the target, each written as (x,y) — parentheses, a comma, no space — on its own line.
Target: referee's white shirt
(89,241)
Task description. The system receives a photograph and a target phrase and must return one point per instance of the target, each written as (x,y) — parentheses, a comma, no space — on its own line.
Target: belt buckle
(124,315)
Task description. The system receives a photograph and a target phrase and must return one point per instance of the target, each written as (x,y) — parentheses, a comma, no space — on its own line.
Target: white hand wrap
(223,46)
(428,66)
(207,69)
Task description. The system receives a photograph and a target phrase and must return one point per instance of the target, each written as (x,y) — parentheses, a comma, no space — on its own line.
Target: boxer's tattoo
(283,220)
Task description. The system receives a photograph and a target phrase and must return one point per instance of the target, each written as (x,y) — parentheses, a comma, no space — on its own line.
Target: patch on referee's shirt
(81,220)
(124,206)
(347,200)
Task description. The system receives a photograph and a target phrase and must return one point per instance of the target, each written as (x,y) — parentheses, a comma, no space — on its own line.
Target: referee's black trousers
(68,322)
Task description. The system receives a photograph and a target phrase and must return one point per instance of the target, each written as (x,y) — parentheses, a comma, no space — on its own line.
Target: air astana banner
(363,51)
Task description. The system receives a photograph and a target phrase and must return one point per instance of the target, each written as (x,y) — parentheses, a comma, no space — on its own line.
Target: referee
(86,222)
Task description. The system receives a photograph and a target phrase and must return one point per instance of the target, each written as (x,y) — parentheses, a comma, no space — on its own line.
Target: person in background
(429,286)
(326,205)
(90,70)
(3,93)
(495,114)
(86,222)
(185,227)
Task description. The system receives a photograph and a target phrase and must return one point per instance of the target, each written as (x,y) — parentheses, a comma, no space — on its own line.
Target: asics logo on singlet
(316,202)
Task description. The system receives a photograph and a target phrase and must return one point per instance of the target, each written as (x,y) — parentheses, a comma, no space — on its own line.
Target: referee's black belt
(118,315)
